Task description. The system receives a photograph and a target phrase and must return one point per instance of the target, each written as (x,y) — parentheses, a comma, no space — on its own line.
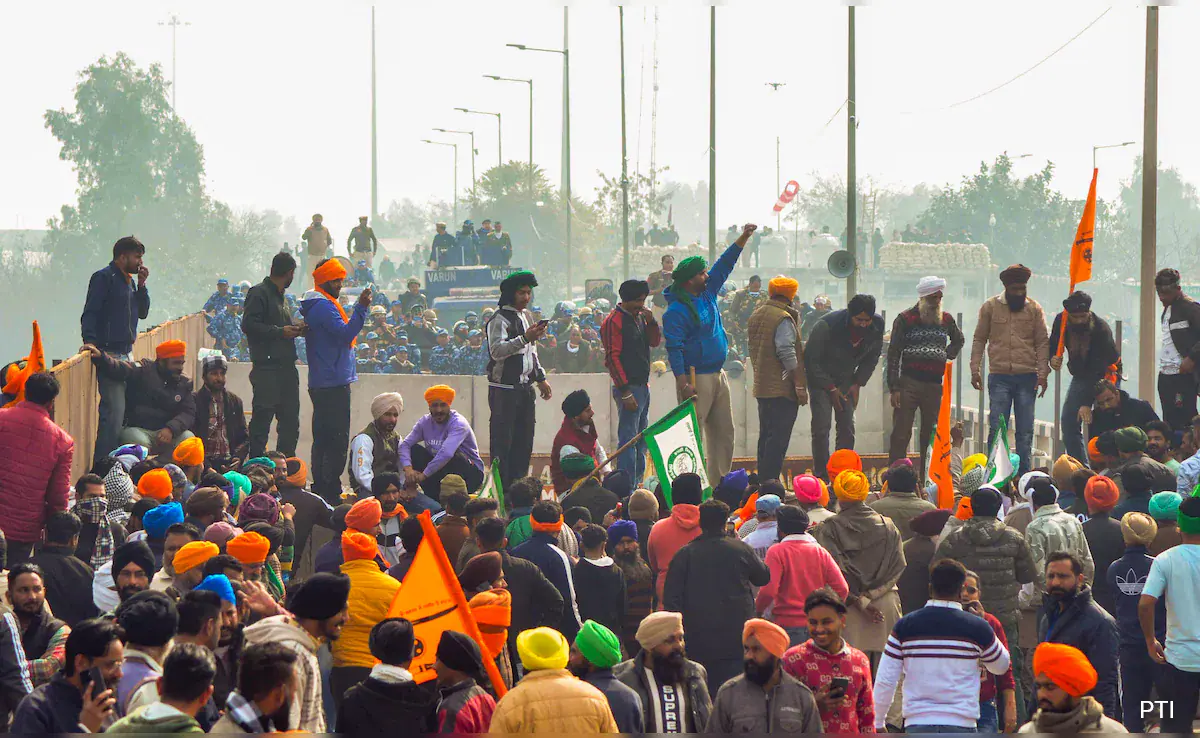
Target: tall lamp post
(474,151)
(530,83)
(1147,302)
(624,159)
(1108,146)
(499,134)
(443,143)
(174,22)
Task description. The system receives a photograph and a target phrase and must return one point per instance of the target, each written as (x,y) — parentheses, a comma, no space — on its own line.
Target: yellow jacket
(553,701)
(371,593)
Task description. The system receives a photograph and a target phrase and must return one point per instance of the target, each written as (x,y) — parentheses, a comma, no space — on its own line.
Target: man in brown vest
(780,385)
(377,448)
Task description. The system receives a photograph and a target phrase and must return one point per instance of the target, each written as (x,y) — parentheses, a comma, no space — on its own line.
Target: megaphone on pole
(842,264)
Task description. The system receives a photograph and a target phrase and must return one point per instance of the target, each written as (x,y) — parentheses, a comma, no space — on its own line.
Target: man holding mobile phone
(79,698)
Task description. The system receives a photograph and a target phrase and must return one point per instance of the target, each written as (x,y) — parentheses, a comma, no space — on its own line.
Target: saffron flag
(676,447)
(14,376)
(432,600)
(1081,252)
(939,449)
(494,487)
(1000,467)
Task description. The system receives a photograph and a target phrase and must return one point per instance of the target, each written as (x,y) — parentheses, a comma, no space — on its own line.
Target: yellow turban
(1066,666)
(973,461)
(785,286)
(851,486)
(192,555)
(542,648)
(189,452)
(440,393)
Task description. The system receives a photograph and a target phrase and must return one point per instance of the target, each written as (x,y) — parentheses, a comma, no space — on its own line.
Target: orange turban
(1101,494)
(493,614)
(192,555)
(440,393)
(300,478)
(156,484)
(365,515)
(331,271)
(771,636)
(824,501)
(189,452)
(1066,666)
(1093,451)
(249,548)
(965,511)
(173,349)
(785,286)
(548,528)
(840,461)
(851,486)
(357,545)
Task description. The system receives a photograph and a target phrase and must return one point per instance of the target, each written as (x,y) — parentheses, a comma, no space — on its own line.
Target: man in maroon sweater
(628,333)
(578,435)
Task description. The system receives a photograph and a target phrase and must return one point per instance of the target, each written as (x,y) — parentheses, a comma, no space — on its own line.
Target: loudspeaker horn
(841,264)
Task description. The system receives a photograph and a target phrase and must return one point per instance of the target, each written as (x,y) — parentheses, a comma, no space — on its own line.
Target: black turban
(320,597)
(460,653)
(1078,302)
(136,552)
(634,289)
(576,403)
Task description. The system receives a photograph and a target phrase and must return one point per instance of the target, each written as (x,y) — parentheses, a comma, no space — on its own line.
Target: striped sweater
(938,650)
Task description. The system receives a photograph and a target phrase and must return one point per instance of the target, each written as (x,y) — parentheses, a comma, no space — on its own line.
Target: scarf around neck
(95,511)
(341,310)
(1086,714)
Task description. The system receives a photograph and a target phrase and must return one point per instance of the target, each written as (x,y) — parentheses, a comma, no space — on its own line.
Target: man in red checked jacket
(628,334)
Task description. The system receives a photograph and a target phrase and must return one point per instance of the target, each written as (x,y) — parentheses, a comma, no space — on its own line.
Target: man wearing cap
(1091,350)
(1063,678)
(466,247)
(1131,448)
(472,357)
(821,307)
(331,370)
(657,282)
(1053,530)
(593,655)
(271,335)
(764,698)
(440,443)
(374,450)
(362,244)
(578,432)
(218,300)
(160,409)
(413,297)
(1179,355)
(780,383)
(464,708)
(319,241)
(220,420)
(673,689)
(627,334)
(696,344)
(512,372)
(443,244)
(1012,326)
(923,339)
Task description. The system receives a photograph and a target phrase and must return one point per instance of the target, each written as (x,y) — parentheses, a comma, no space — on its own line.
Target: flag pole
(616,454)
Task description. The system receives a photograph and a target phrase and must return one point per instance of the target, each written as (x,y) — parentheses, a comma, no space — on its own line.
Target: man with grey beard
(924,338)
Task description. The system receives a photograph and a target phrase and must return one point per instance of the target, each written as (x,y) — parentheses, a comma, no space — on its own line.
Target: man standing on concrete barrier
(331,370)
(840,358)
(271,334)
(1179,357)
(512,371)
(696,342)
(628,334)
(780,385)
(1090,351)
(109,322)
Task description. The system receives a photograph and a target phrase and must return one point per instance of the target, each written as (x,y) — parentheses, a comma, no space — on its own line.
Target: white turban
(929,285)
(387,401)
(657,627)
(1023,482)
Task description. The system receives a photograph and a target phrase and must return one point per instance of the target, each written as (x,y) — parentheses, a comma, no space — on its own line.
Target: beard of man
(758,673)
(669,669)
(930,309)
(632,567)
(1016,303)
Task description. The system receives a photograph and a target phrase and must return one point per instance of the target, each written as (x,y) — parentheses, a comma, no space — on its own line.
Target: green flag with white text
(676,447)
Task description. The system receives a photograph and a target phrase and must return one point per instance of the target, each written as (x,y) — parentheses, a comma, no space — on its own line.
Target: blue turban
(218,583)
(158,519)
(622,529)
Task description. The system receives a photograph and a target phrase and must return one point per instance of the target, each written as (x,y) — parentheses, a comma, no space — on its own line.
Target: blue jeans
(1079,394)
(1013,393)
(938,729)
(796,636)
(989,720)
(630,423)
(111,412)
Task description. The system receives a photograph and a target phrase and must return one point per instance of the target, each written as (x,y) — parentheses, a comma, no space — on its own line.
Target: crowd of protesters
(168,589)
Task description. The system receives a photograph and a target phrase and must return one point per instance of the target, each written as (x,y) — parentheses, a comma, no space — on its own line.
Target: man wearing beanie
(1064,677)
(550,699)
(318,610)
(627,334)
(1126,577)
(579,432)
(1173,579)
(1090,350)
(593,655)
(902,503)
(220,423)
(1131,446)
(923,339)
(1179,357)
(867,546)
(1051,531)
(764,698)
(1103,536)
(465,707)
(1012,326)
(840,357)
(371,593)
(675,531)
(639,581)
(780,383)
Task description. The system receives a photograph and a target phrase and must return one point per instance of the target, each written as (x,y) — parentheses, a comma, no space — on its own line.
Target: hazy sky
(279,93)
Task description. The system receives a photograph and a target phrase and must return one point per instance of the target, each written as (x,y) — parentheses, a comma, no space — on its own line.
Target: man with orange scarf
(331,370)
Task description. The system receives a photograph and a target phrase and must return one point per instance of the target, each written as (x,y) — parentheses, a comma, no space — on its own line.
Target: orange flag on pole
(1081,252)
(432,600)
(939,448)
(14,383)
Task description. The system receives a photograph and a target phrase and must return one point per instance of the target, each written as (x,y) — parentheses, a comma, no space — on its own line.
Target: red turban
(1101,494)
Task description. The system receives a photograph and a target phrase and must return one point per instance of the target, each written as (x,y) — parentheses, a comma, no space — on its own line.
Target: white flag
(676,447)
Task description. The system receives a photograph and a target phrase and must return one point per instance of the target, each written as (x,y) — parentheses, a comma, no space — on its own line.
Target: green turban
(687,269)
(514,282)
(1130,440)
(577,465)
(1189,516)
(599,645)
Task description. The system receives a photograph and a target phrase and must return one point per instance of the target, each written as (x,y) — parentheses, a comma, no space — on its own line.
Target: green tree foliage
(1177,231)
(823,204)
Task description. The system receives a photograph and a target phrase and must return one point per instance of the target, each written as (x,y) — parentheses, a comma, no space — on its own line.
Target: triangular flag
(939,448)
(1000,469)
(14,383)
(1081,252)
(432,600)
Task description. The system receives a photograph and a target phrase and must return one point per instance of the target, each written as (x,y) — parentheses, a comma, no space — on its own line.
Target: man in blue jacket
(696,341)
(109,322)
(331,369)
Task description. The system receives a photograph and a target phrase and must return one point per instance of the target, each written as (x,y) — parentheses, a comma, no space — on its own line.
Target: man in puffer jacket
(371,593)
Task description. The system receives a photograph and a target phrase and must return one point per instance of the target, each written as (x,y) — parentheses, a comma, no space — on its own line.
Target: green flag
(676,448)
(1000,469)
(492,486)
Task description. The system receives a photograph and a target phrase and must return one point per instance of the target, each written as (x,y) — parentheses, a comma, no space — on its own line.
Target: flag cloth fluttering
(1081,253)
(15,374)
(493,487)
(1000,468)
(939,448)
(676,447)
(788,194)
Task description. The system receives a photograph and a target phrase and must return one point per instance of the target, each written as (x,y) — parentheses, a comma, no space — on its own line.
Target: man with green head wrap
(593,655)
(1131,445)
(696,342)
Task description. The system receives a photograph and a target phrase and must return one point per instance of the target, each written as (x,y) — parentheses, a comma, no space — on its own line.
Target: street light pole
(624,160)
(778,181)
(1147,334)
(1109,146)
(443,143)
(174,22)
(499,131)
(530,83)
(712,134)
(374,147)
(473,152)
(851,165)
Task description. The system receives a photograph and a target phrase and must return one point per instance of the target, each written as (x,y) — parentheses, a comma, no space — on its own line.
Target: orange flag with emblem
(14,383)
(432,600)
(1081,253)
(939,448)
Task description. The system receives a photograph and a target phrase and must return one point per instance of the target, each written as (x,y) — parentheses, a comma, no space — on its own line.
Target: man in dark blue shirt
(109,322)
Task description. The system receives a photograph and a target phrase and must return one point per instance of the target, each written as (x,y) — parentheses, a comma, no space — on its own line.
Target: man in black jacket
(1114,409)
(387,697)
(160,410)
(67,580)
(220,421)
(69,701)
(1179,358)
(710,581)
(271,335)
(628,333)
(109,322)
(1069,615)
(14,681)
(840,357)
(1090,352)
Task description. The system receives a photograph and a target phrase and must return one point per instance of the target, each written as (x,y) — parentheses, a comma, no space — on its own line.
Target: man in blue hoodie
(696,341)
(331,369)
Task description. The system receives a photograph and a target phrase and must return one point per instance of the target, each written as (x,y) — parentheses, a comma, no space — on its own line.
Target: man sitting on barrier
(160,408)
(374,450)
(441,443)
